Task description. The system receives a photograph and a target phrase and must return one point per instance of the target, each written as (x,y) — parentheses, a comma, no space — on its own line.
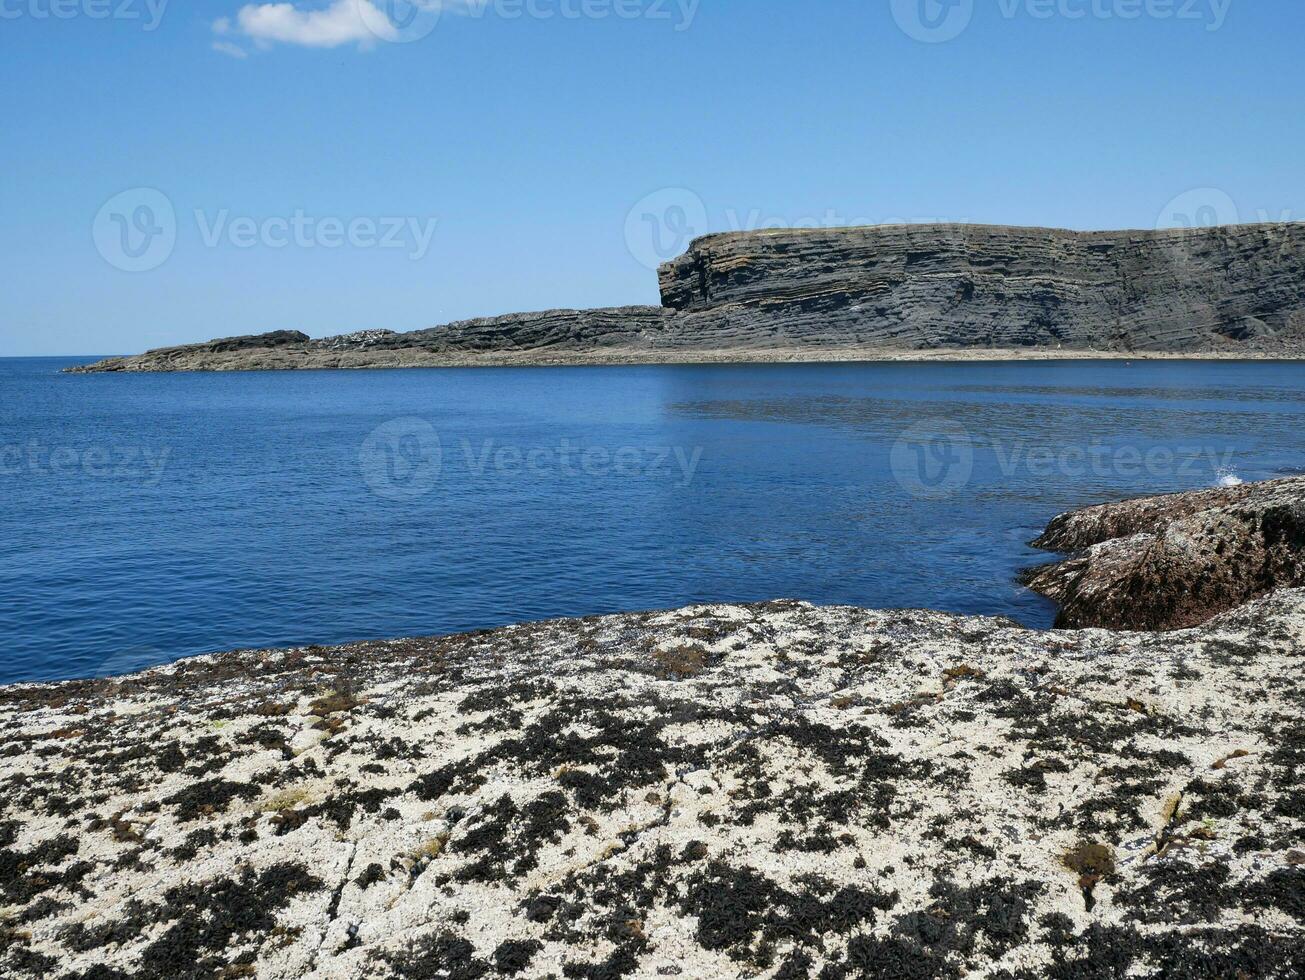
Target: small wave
(1227,478)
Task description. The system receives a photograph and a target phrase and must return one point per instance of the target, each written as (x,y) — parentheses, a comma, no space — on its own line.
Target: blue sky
(329,171)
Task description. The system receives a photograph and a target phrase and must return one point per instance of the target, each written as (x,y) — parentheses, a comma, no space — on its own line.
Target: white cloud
(227,48)
(342,22)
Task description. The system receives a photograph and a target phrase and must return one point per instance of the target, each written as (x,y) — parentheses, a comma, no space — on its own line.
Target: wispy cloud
(333,23)
(340,22)
(233,50)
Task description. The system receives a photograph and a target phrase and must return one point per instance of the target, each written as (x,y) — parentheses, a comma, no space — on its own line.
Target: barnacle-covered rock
(1168,562)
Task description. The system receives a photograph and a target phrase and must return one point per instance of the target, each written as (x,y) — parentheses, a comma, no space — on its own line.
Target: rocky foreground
(775,791)
(1168,562)
(866,293)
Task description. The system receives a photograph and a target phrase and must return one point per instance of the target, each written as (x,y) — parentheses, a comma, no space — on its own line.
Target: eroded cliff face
(875,291)
(927,286)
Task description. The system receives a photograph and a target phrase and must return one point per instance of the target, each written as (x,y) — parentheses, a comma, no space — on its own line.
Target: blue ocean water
(148,517)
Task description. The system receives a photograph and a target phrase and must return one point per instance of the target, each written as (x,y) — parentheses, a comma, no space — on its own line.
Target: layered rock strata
(945,286)
(880,291)
(525,337)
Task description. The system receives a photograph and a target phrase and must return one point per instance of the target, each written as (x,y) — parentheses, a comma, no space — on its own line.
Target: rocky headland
(773,790)
(1169,562)
(893,291)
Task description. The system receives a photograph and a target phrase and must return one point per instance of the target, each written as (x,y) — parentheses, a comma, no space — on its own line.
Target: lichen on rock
(774,790)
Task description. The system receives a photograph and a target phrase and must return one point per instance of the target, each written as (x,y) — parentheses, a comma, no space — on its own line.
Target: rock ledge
(1168,562)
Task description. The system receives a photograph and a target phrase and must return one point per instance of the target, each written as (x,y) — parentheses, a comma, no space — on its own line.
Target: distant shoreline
(289,360)
(884,293)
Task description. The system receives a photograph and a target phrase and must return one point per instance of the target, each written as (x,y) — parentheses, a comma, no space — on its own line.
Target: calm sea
(147,517)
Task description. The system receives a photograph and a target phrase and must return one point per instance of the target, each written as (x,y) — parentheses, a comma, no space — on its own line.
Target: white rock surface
(773,791)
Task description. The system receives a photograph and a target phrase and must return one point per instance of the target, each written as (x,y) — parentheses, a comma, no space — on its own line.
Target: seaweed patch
(773,791)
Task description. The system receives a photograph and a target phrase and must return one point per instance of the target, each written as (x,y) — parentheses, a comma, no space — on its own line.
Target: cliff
(939,286)
(882,291)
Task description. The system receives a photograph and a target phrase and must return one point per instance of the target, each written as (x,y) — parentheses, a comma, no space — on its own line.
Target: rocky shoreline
(873,293)
(1169,562)
(773,790)
(188,359)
